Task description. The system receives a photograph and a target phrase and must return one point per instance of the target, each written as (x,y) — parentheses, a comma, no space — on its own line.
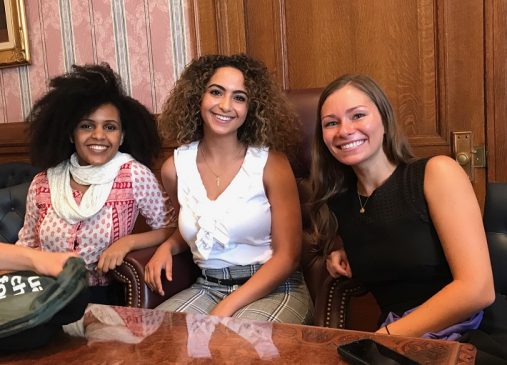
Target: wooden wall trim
(231,26)
(14,143)
(462,104)
(224,33)
(496,96)
(490,80)
(266,39)
(205,30)
(13,134)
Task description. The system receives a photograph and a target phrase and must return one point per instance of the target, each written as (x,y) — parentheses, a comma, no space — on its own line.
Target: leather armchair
(15,180)
(495,223)
(338,303)
(131,274)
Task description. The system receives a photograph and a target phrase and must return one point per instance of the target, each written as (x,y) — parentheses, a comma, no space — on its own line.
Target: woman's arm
(337,264)
(162,258)
(155,206)
(113,256)
(14,257)
(456,215)
(286,234)
(28,235)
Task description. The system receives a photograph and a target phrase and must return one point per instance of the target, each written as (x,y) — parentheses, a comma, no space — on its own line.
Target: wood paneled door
(428,55)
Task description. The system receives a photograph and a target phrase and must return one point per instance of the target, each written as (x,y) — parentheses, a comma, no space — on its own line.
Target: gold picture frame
(13,34)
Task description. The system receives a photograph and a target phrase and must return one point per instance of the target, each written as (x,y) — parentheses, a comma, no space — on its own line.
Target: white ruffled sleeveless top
(234,229)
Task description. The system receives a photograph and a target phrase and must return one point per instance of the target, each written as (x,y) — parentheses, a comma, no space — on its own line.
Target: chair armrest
(131,274)
(339,303)
(332,304)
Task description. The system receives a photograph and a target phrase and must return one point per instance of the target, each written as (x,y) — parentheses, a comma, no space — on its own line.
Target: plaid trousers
(290,302)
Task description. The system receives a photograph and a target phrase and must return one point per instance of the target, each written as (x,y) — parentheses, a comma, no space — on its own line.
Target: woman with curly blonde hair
(235,192)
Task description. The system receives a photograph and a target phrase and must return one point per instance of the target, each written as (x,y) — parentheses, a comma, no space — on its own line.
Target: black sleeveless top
(392,247)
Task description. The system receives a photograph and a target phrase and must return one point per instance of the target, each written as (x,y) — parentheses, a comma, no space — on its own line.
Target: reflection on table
(122,335)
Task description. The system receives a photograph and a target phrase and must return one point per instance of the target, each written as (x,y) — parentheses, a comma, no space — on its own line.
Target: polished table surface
(122,335)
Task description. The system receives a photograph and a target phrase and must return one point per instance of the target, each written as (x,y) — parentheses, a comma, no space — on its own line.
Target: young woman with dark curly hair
(94,144)
(236,194)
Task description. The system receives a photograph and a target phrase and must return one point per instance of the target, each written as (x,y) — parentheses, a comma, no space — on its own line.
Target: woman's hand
(113,256)
(222,309)
(338,265)
(50,263)
(162,259)
(14,257)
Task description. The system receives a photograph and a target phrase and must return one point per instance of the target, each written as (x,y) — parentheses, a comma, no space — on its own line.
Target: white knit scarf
(99,178)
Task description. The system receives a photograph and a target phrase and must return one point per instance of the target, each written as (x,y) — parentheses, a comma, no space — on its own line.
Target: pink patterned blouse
(135,190)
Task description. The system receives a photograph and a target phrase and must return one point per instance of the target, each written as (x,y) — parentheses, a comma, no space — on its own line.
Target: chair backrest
(495,223)
(305,103)
(15,180)
(338,303)
(14,173)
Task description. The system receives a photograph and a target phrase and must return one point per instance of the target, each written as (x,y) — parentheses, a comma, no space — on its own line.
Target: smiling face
(352,127)
(98,136)
(224,105)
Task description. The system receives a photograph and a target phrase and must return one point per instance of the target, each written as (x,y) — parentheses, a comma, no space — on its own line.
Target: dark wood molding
(14,143)
(222,33)
(496,97)
(204,32)
(13,134)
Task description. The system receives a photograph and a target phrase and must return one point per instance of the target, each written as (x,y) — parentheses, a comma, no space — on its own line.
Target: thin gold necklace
(363,206)
(217,177)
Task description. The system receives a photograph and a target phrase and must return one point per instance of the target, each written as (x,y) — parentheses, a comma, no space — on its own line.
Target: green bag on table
(33,307)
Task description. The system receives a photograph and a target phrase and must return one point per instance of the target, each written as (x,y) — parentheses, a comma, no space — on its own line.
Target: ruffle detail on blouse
(211,228)
(210,215)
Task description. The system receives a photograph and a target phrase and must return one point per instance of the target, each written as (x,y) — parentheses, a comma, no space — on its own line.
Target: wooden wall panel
(392,41)
(13,143)
(496,91)
(400,44)
(428,55)
(219,26)
(204,33)
(461,74)
(230,16)
(266,36)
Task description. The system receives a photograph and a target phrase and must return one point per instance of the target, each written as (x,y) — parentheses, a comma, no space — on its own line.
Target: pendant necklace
(217,177)
(363,206)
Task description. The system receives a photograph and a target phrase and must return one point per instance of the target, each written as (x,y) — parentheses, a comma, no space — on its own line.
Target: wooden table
(122,335)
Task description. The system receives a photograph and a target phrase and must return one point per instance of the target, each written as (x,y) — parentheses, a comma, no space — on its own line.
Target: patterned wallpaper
(145,41)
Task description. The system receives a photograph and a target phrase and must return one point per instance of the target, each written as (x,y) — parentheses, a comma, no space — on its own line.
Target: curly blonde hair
(270,121)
